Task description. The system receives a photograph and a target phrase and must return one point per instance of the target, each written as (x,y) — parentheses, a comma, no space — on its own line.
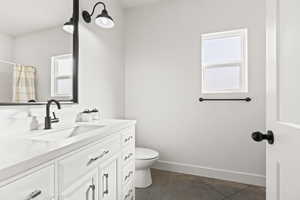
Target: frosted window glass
(222,78)
(64,87)
(221,50)
(64,66)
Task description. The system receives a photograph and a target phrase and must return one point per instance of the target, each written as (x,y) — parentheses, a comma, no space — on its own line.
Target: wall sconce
(103,20)
(69,26)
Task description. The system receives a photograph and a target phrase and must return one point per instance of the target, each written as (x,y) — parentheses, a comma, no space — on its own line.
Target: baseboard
(240,177)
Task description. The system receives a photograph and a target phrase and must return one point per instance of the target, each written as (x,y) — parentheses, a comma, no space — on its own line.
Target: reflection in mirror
(36,61)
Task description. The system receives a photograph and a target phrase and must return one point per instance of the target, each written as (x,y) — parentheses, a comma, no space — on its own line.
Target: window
(62,76)
(225,62)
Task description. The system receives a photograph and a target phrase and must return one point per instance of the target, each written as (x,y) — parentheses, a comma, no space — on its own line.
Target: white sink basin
(64,134)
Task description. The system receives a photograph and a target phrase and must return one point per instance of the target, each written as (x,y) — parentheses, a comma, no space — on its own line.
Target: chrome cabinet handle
(34,194)
(128,175)
(93,190)
(105,191)
(129,138)
(98,157)
(90,188)
(128,156)
(128,194)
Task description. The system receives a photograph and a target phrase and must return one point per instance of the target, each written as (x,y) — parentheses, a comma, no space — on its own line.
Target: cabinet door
(108,178)
(85,188)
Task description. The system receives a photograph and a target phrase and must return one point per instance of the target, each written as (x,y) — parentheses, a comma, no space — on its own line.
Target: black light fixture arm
(104,20)
(100,2)
(87,16)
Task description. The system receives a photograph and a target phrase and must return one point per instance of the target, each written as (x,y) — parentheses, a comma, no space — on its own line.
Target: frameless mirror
(38,51)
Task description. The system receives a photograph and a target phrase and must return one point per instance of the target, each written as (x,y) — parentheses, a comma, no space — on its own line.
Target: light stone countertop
(20,153)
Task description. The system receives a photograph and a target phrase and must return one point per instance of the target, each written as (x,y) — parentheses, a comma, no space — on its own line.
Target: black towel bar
(248,99)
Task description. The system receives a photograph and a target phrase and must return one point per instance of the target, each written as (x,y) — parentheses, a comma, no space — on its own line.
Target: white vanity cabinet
(102,170)
(76,164)
(85,188)
(37,184)
(108,180)
(99,184)
(128,164)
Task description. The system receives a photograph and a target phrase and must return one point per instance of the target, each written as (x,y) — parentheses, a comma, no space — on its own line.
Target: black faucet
(48,119)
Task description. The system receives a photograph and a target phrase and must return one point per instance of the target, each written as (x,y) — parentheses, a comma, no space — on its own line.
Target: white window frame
(55,77)
(243,63)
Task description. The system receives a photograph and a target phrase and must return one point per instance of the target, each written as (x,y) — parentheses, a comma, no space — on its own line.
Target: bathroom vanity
(86,162)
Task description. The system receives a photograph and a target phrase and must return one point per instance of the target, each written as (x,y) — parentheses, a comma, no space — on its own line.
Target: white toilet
(144,159)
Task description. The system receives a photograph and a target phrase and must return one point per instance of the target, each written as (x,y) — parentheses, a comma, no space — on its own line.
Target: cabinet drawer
(128,155)
(76,165)
(38,185)
(128,173)
(128,192)
(128,137)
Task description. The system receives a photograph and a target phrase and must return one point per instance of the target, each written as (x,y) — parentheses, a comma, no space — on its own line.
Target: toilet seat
(145,154)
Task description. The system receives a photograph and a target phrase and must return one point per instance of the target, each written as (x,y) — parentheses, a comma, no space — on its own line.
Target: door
(85,188)
(283,99)
(109,180)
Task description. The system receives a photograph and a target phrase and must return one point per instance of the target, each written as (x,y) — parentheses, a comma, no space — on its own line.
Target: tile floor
(175,186)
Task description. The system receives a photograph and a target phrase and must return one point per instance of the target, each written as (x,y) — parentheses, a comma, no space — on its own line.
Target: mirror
(38,51)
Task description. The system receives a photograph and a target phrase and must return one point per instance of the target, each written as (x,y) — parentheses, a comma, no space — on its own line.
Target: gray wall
(163,84)
(36,49)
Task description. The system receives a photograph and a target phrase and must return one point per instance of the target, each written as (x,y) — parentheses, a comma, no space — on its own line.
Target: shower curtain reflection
(24,78)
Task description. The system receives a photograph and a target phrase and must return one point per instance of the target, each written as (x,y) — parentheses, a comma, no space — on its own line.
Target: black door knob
(258,137)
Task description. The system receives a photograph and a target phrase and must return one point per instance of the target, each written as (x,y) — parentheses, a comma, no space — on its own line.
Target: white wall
(102,63)
(6,47)
(101,76)
(6,72)
(163,85)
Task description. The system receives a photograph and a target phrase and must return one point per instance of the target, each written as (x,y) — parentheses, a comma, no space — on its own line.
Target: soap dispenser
(34,125)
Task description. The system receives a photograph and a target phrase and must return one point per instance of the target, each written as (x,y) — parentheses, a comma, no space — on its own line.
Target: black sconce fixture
(103,20)
(69,26)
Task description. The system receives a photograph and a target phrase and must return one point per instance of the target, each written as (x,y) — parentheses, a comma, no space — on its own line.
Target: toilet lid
(145,154)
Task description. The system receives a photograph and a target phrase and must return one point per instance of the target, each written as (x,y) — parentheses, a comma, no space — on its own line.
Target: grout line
(224,195)
(238,192)
(211,187)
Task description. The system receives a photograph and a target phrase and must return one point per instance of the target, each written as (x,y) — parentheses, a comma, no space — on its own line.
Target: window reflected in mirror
(62,77)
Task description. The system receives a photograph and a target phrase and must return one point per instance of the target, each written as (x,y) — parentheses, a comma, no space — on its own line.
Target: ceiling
(25,16)
(18,17)
(134,3)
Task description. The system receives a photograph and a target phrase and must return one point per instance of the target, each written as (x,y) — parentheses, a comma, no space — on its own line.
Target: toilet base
(143,178)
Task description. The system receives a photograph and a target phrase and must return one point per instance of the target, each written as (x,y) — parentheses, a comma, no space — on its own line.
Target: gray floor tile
(176,186)
(226,188)
(250,193)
